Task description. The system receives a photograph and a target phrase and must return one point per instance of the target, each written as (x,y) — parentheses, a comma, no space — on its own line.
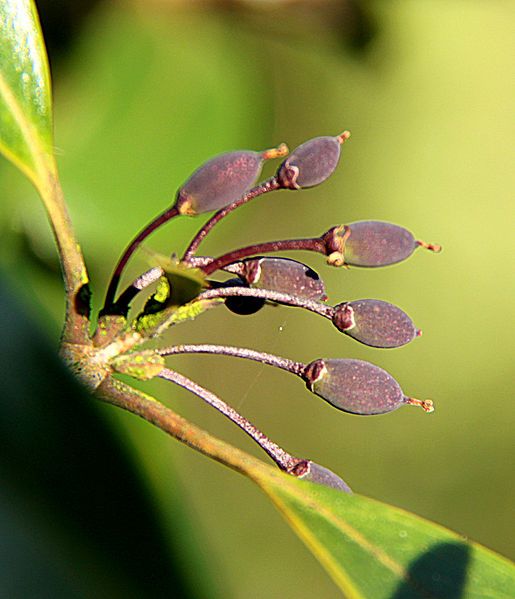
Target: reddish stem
(265,187)
(314,244)
(237,352)
(272,296)
(283,459)
(131,248)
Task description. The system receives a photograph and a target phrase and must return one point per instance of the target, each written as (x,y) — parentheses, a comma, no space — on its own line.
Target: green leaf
(25,91)
(78,517)
(375,550)
(185,282)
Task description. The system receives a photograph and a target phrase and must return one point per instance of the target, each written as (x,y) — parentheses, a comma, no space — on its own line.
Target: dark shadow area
(440,573)
(351,23)
(76,518)
(61,22)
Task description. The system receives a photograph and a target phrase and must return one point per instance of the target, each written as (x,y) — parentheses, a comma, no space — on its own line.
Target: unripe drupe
(312,162)
(375,243)
(284,275)
(223,180)
(375,323)
(357,387)
(184,291)
(315,473)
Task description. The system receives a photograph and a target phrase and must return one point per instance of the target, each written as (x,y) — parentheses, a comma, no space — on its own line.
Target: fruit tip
(343,137)
(426,404)
(432,247)
(279,152)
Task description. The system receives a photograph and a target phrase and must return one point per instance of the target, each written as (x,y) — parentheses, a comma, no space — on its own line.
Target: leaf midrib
(32,139)
(351,533)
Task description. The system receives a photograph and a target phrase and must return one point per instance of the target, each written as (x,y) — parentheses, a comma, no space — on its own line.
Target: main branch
(121,395)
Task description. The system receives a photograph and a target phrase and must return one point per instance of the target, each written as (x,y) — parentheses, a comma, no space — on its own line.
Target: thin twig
(272,296)
(76,280)
(237,352)
(143,405)
(283,459)
(313,244)
(131,248)
(267,186)
(121,305)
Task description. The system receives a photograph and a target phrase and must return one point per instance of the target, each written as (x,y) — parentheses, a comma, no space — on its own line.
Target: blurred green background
(145,91)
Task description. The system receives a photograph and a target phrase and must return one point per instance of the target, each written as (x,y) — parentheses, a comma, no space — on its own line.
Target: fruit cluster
(186,287)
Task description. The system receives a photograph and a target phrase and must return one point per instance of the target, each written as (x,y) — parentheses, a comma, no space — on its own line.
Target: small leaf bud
(222,180)
(312,162)
(284,275)
(357,387)
(313,472)
(375,323)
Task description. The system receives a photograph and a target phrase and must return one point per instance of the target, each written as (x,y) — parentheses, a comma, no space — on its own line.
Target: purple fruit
(284,275)
(375,323)
(375,243)
(357,387)
(315,473)
(312,162)
(223,180)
